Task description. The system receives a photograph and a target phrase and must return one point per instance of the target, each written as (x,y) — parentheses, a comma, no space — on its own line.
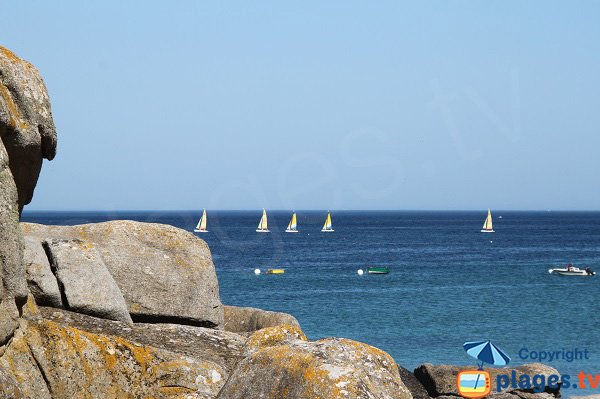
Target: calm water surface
(449,282)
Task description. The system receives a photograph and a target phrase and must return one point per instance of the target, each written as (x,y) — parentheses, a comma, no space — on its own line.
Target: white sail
(327,226)
(203,221)
(487,225)
(201,226)
(263,226)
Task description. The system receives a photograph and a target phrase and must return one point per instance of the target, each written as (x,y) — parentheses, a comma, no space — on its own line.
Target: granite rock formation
(26,125)
(27,136)
(165,274)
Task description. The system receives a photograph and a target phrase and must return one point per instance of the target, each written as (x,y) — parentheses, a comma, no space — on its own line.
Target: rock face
(273,336)
(13,290)
(331,368)
(440,380)
(58,361)
(40,279)
(26,126)
(223,348)
(247,320)
(165,274)
(87,285)
(27,135)
(8,387)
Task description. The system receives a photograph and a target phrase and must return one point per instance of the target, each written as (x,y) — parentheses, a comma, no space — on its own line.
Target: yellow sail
(327,225)
(487,225)
(263,224)
(292,225)
(203,221)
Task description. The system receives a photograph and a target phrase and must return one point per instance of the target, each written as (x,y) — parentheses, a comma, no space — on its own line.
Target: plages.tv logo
(474,384)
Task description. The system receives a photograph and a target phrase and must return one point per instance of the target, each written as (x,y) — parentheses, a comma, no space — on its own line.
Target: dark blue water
(449,282)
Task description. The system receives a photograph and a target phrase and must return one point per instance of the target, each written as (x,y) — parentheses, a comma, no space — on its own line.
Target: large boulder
(247,320)
(165,274)
(223,348)
(440,380)
(26,126)
(54,360)
(87,285)
(40,279)
(331,368)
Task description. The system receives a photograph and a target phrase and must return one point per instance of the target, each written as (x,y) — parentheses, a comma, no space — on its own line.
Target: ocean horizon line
(33,211)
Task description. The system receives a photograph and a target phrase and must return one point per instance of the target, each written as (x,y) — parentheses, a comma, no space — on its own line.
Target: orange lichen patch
(105,347)
(14,116)
(81,344)
(12,57)
(301,367)
(9,54)
(362,348)
(30,309)
(272,336)
(143,355)
(17,346)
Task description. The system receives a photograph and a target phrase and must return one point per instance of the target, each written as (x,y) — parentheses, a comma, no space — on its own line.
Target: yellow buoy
(275,271)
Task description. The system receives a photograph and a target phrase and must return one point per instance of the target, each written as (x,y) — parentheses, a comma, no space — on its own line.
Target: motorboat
(570,270)
(378,270)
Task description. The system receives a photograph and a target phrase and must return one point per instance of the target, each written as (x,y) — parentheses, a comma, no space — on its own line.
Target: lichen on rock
(26,125)
(328,369)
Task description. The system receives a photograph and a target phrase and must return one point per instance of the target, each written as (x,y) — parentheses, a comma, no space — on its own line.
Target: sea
(449,283)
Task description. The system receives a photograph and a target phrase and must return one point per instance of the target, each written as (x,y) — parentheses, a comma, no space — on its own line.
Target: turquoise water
(448,284)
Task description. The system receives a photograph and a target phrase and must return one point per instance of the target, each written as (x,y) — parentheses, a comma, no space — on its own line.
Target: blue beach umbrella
(486,352)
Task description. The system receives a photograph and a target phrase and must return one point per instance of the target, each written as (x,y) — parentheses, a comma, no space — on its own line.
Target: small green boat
(378,270)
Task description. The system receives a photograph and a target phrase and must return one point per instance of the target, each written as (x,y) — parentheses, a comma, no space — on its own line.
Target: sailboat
(263,225)
(327,227)
(292,226)
(487,225)
(201,226)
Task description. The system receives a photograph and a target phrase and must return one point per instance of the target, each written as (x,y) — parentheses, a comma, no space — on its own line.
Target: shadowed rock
(13,287)
(415,387)
(40,279)
(166,274)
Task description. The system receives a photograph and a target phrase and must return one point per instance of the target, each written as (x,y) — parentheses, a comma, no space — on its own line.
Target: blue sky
(316,105)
